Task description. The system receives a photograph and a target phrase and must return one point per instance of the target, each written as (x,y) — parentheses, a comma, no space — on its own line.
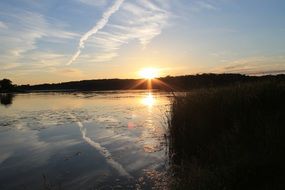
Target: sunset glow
(94,39)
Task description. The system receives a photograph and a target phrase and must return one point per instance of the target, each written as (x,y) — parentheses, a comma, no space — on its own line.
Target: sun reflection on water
(148,100)
(151,129)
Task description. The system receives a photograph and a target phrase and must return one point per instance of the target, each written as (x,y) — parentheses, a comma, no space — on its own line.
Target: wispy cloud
(70,72)
(205,5)
(255,65)
(190,9)
(138,20)
(21,36)
(2,25)
(100,24)
(93,3)
(35,61)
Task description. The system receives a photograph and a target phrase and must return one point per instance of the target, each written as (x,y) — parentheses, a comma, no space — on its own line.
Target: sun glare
(149,73)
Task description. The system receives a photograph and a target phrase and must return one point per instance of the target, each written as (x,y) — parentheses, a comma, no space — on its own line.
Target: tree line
(169,83)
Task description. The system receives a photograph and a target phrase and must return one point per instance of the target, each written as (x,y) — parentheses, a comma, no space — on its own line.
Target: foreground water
(97,140)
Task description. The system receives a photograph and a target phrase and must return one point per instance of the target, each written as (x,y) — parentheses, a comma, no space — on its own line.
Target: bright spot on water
(148,100)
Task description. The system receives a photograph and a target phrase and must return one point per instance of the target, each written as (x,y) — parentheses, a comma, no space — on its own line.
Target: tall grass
(229,138)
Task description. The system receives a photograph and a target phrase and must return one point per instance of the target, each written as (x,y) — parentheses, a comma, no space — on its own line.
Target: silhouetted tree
(6,85)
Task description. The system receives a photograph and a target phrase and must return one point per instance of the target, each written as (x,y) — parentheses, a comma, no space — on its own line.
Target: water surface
(95,140)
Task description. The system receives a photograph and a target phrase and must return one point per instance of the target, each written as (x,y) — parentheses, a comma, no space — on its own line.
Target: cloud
(3,25)
(255,65)
(100,24)
(204,5)
(74,57)
(8,66)
(70,72)
(19,41)
(93,2)
(24,31)
(102,57)
(138,20)
(35,62)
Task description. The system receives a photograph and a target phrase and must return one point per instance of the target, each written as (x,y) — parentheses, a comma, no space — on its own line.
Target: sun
(149,73)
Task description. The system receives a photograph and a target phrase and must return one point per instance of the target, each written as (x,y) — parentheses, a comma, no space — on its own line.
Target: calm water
(97,140)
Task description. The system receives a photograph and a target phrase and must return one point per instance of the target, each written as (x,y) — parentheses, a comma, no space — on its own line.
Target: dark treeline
(169,83)
(189,82)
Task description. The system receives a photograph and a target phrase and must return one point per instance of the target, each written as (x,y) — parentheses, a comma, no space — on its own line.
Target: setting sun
(149,73)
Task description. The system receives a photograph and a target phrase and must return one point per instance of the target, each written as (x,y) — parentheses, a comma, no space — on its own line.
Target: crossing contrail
(100,24)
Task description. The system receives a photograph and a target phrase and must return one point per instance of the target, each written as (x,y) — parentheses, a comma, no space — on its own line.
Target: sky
(48,41)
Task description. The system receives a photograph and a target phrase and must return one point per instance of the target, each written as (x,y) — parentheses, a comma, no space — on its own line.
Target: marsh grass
(229,138)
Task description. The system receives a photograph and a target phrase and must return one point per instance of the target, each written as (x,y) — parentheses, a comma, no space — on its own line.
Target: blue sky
(56,40)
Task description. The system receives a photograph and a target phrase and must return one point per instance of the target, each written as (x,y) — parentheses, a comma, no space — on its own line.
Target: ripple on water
(126,134)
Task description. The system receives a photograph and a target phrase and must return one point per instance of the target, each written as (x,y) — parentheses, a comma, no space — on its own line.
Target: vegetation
(6,85)
(229,138)
(177,83)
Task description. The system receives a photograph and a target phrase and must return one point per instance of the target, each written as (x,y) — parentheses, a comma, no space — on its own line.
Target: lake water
(94,140)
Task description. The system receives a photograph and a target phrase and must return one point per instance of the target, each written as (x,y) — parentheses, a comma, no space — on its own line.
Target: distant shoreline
(79,91)
(169,83)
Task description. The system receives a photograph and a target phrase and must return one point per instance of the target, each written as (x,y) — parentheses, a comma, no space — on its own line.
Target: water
(97,140)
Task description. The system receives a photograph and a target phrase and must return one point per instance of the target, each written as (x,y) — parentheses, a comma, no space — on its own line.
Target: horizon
(271,73)
(56,41)
(155,79)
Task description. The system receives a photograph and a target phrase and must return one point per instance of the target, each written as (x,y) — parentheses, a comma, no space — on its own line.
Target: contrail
(100,24)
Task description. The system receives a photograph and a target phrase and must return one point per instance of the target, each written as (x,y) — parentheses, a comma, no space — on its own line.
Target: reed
(229,138)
